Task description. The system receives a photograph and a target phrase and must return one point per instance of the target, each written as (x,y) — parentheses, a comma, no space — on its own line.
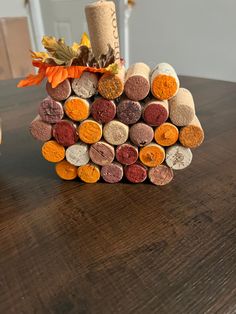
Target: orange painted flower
(56,63)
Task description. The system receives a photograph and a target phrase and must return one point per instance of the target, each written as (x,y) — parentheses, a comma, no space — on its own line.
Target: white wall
(10,8)
(198,37)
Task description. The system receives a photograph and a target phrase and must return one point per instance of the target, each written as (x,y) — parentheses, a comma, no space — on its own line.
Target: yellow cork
(152,155)
(65,170)
(166,134)
(76,108)
(90,131)
(89,173)
(52,151)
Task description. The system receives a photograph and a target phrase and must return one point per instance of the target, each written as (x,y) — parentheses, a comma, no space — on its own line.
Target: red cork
(65,133)
(103,110)
(156,112)
(61,92)
(127,154)
(136,173)
(51,111)
(129,111)
(112,173)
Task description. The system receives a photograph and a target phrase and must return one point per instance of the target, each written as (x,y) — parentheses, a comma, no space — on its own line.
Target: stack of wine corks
(136,125)
(145,133)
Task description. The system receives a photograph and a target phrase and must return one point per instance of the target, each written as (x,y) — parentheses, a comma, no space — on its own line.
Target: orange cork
(152,155)
(77,108)
(90,131)
(65,170)
(52,151)
(164,81)
(111,86)
(89,173)
(166,134)
(192,135)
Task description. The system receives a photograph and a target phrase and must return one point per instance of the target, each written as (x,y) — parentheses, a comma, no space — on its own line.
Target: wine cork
(115,132)
(137,81)
(51,111)
(89,173)
(161,175)
(40,130)
(166,134)
(102,26)
(182,108)
(152,155)
(112,173)
(127,154)
(102,153)
(65,133)
(61,92)
(111,86)
(90,131)
(192,135)
(141,134)
(164,81)
(136,173)
(156,112)
(52,151)
(77,108)
(103,110)
(65,170)
(86,85)
(178,157)
(78,154)
(129,111)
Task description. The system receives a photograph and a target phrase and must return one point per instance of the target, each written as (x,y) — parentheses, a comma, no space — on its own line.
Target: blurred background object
(196,37)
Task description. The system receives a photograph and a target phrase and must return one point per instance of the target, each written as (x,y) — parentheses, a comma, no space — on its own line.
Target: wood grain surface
(67,247)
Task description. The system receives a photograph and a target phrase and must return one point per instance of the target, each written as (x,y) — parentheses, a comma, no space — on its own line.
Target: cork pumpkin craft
(101,121)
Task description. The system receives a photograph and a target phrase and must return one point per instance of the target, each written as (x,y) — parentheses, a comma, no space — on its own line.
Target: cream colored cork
(78,154)
(116,132)
(178,157)
(182,108)
(102,25)
(192,135)
(86,85)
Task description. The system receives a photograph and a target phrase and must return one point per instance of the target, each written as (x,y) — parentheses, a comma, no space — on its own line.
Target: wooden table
(66,247)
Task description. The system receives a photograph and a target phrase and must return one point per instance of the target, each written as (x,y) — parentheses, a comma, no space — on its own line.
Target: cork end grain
(61,92)
(137,87)
(136,173)
(53,152)
(191,136)
(152,155)
(110,86)
(65,170)
(160,175)
(90,131)
(166,134)
(164,87)
(89,173)
(76,108)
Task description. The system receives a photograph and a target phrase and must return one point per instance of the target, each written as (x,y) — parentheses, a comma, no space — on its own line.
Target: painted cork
(164,81)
